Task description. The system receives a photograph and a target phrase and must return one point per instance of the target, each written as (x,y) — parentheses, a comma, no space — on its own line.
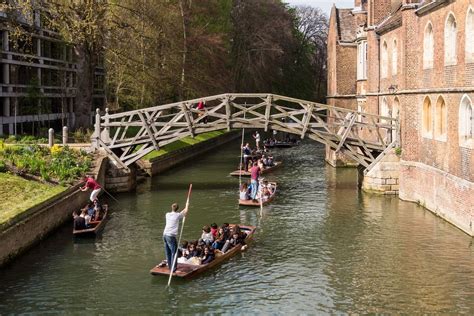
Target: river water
(321,247)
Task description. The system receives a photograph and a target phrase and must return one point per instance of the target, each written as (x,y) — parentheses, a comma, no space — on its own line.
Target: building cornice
(427,8)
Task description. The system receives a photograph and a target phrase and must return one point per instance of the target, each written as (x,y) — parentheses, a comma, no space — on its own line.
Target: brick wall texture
(437,171)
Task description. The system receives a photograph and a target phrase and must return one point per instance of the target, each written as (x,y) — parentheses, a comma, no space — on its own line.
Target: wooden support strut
(307,119)
(346,132)
(148,130)
(184,108)
(228,113)
(268,109)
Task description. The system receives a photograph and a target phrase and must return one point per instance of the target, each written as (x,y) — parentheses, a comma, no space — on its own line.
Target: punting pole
(110,195)
(180,234)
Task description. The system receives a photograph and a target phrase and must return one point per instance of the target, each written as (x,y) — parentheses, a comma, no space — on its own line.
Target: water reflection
(321,247)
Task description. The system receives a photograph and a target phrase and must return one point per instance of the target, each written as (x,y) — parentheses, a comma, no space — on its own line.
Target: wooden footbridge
(128,136)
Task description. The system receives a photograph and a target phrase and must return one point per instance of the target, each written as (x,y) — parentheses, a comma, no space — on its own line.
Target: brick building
(414,59)
(38,80)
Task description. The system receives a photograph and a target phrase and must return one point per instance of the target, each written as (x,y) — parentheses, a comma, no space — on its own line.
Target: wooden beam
(346,132)
(184,108)
(268,109)
(148,130)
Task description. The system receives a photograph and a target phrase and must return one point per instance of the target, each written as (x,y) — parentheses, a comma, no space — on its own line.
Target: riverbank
(18,195)
(183,150)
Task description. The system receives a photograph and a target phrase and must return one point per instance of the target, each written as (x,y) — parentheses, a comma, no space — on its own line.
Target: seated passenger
(90,208)
(207,256)
(79,222)
(214,229)
(206,236)
(192,251)
(220,239)
(86,216)
(97,213)
(270,162)
(244,192)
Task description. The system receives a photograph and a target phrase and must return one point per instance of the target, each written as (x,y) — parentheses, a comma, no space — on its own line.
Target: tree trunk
(185,51)
(85,86)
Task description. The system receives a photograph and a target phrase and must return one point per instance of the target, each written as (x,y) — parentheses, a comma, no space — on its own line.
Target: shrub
(3,166)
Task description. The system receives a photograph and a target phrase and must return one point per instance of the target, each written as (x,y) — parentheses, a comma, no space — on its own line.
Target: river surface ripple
(322,247)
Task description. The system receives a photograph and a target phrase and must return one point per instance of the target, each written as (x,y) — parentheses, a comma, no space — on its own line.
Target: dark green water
(321,247)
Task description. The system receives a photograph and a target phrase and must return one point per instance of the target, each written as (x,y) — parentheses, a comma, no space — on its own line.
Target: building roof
(393,21)
(346,25)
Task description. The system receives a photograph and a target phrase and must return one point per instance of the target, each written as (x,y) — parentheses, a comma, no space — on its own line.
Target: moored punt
(256,202)
(95,226)
(285,144)
(186,271)
(243,173)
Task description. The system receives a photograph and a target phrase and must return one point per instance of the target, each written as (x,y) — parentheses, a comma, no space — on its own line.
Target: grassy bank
(185,142)
(17,195)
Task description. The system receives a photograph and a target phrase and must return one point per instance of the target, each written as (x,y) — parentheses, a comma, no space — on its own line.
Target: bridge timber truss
(129,136)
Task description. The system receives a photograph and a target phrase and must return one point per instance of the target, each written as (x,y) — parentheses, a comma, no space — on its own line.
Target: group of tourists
(263,158)
(214,241)
(93,211)
(263,191)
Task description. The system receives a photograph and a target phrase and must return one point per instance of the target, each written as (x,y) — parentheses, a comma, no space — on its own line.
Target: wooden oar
(180,234)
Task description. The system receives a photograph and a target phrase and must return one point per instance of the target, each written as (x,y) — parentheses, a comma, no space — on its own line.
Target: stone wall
(444,194)
(41,221)
(384,177)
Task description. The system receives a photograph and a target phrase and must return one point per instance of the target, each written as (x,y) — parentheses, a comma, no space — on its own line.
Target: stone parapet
(384,177)
(448,196)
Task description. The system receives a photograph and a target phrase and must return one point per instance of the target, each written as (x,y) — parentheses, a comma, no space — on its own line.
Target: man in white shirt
(170,233)
(257,139)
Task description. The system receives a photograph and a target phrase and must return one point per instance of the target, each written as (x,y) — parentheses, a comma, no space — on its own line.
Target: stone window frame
(450,40)
(428,52)
(395,113)
(395,57)
(427,118)
(469,35)
(440,126)
(362,60)
(384,109)
(384,60)
(466,122)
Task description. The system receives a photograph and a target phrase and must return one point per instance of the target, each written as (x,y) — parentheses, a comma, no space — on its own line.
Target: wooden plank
(306,120)
(268,109)
(148,130)
(346,132)
(188,119)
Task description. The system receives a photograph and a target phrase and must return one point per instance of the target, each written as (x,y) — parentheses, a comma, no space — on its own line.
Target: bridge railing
(128,136)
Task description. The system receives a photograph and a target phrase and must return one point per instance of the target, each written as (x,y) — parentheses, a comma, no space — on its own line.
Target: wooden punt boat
(256,203)
(188,271)
(95,226)
(285,144)
(243,173)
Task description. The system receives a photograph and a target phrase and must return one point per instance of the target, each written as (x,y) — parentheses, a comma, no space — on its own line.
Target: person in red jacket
(90,183)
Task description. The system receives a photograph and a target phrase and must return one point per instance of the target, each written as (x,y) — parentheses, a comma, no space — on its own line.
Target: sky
(325,5)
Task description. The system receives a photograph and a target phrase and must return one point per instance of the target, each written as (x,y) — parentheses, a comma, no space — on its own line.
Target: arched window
(394,58)
(470,35)
(384,69)
(466,121)
(428,47)
(427,118)
(441,119)
(450,33)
